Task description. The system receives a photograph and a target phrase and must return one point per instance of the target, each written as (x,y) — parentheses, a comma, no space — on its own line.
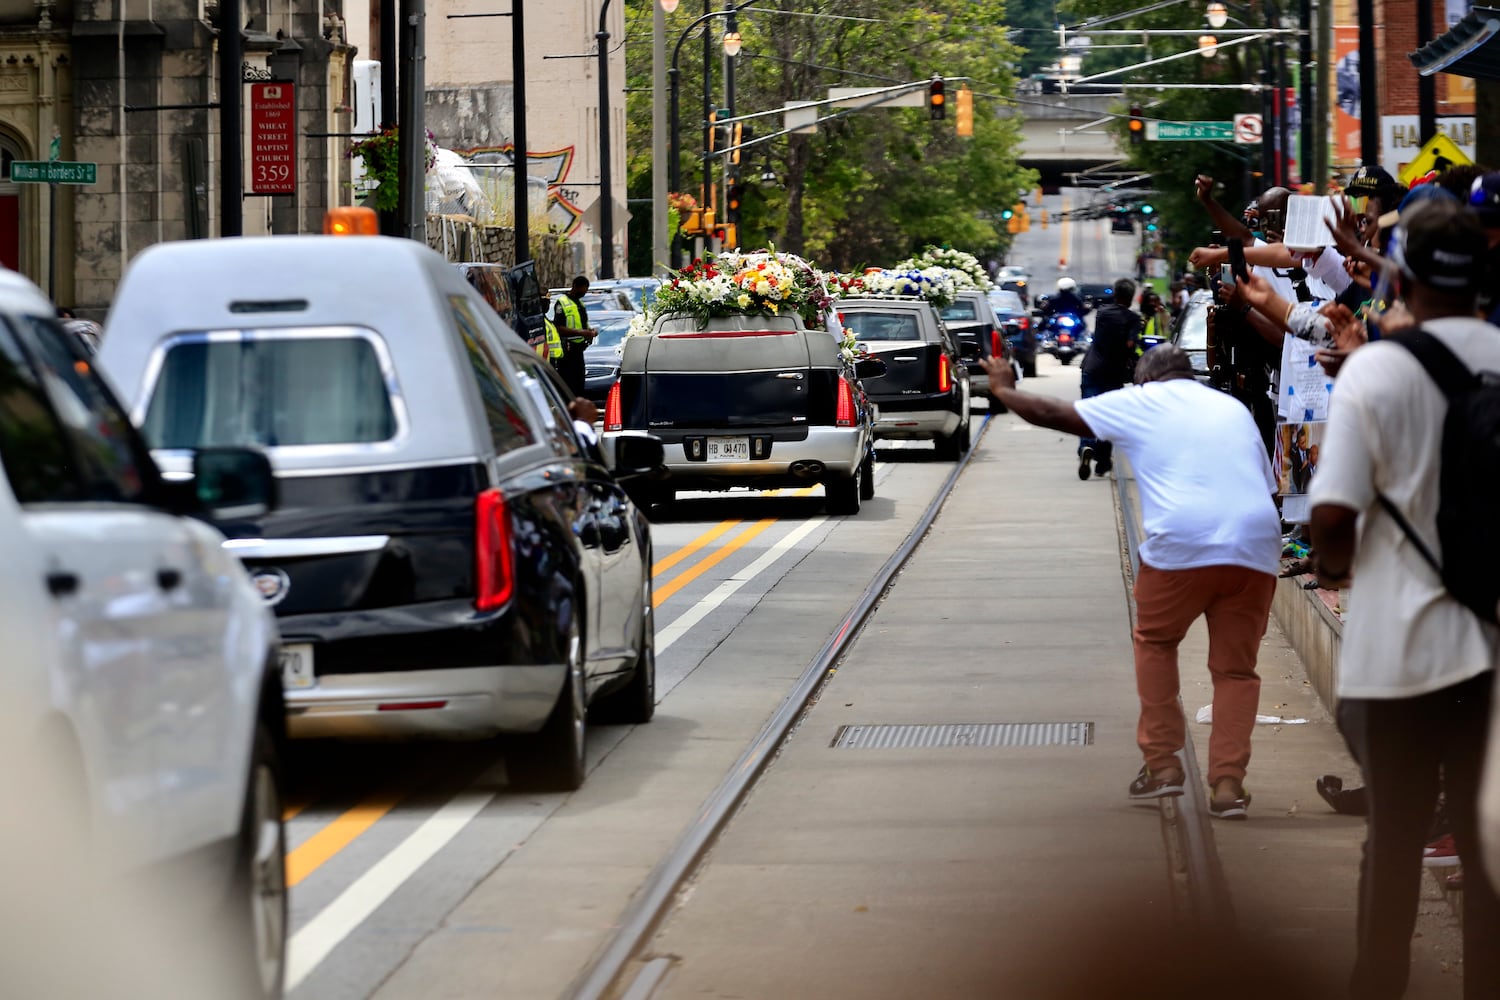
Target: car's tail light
(494,553)
(1024,322)
(843,414)
(945,376)
(1063,338)
(995,350)
(614,416)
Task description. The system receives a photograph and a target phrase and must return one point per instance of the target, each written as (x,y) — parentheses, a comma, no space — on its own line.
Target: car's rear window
(961,311)
(883,325)
(272,391)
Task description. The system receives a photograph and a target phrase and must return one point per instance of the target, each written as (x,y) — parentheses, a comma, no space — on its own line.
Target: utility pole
(606,189)
(1369,102)
(412,139)
(518,128)
(1306,100)
(231,99)
(1324,17)
(390,94)
(660,238)
(1426,85)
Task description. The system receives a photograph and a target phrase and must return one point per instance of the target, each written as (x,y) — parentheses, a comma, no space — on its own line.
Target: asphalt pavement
(992,851)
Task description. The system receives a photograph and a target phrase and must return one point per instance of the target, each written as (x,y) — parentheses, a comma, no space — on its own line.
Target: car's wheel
(867,478)
(635,703)
(1028,368)
(552,760)
(1066,359)
(652,498)
(844,494)
(258,896)
(947,446)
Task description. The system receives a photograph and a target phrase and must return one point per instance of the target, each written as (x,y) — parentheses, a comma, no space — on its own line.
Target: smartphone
(1226,273)
(1237,261)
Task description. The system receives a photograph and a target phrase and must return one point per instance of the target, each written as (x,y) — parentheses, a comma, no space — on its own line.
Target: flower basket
(381,153)
(935,284)
(965,267)
(761,283)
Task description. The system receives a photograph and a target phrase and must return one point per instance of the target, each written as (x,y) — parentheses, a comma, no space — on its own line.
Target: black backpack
(1468,518)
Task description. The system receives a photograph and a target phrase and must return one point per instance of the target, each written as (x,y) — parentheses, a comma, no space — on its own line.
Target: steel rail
(652,900)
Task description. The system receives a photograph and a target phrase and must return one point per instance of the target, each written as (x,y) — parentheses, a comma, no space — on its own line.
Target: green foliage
(871,186)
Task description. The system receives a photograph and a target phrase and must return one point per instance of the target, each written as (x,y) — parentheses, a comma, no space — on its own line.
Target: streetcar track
(655,895)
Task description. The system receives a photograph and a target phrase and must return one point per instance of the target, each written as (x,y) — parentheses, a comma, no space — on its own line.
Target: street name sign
(273,138)
(1189,131)
(53,172)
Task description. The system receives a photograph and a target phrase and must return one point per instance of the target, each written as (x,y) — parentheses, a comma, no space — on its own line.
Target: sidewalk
(980,870)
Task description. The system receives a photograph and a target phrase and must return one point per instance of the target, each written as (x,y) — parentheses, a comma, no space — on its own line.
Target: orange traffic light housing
(965,111)
(937,101)
(1137,126)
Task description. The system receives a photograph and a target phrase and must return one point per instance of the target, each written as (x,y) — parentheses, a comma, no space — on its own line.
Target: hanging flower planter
(382,155)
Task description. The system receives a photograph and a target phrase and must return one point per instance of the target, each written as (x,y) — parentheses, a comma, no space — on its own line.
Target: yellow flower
(763,287)
(744,301)
(772,306)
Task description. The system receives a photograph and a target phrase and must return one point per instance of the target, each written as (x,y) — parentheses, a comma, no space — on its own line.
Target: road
(417,872)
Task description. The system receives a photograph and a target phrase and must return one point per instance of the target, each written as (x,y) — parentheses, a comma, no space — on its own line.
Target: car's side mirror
(869,368)
(968,350)
(633,454)
(233,482)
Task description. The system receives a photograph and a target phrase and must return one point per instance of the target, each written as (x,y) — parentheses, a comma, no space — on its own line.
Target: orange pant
(1237,602)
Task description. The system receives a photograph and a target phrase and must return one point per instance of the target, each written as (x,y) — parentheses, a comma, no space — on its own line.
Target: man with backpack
(1409,480)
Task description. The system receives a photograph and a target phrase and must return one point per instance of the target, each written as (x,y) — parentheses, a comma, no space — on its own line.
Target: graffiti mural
(553,167)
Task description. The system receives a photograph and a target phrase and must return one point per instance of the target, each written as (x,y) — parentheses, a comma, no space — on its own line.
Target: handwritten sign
(1304,384)
(273,138)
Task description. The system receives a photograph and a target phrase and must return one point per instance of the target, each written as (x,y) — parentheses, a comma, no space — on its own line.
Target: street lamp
(1208,46)
(668,6)
(1218,15)
(732,43)
(1272,106)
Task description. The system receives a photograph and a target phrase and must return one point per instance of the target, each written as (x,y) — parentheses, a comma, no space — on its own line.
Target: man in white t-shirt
(1212,547)
(1416,667)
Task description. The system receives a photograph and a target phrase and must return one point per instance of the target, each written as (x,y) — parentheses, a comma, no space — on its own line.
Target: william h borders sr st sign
(273,138)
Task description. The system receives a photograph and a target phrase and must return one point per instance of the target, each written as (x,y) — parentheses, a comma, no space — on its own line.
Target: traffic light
(1006,214)
(727,235)
(1147,209)
(734,196)
(937,102)
(738,134)
(718,135)
(965,114)
(1137,126)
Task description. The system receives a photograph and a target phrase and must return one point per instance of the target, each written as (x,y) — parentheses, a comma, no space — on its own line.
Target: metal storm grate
(981,734)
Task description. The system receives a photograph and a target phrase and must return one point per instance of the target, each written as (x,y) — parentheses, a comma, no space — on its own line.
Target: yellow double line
(736,543)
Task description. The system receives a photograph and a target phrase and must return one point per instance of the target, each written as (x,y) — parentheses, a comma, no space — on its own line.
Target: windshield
(313,389)
(1006,302)
(883,325)
(1193,334)
(962,311)
(612,331)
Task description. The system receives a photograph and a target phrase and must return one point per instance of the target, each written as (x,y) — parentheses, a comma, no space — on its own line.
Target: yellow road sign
(1438,153)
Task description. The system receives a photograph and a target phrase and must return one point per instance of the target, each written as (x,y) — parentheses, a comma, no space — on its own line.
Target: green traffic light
(1147,209)
(1006,214)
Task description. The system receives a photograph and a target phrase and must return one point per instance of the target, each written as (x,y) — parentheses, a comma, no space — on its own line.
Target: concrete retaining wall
(1313,631)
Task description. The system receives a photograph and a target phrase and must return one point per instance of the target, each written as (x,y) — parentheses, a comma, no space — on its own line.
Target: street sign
(847,97)
(273,138)
(1248,128)
(1436,150)
(53,172)
(1189,131)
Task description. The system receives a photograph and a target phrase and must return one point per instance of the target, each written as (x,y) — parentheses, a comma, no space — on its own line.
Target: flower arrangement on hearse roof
(965,268)
(735,283)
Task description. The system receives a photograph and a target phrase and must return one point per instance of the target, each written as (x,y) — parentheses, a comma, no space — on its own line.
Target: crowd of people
(1399,306)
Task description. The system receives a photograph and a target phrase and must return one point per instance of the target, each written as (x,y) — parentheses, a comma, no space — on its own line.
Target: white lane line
(680,625)
(338,919)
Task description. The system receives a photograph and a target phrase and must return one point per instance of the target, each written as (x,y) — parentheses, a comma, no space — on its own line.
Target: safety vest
(573,317)
(554,340)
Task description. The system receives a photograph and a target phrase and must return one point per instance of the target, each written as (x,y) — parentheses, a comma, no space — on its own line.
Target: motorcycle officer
(1066,300)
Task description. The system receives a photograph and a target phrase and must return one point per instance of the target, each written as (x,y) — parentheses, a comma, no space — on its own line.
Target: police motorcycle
(1063,333)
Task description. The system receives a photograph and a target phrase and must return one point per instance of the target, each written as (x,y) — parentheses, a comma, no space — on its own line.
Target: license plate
(297,668)
(735,449)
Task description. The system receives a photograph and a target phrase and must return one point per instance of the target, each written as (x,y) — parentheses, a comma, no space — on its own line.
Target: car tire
(652,499)
(258,894)
(844,494)
(552,759)
(635,703)
(867,478)
(946,447)
(1028,368)
(1068,360)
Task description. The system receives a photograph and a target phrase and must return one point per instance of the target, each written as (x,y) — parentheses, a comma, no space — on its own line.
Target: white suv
(136,666)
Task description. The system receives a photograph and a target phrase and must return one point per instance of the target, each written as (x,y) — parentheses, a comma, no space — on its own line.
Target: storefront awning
(1466,49)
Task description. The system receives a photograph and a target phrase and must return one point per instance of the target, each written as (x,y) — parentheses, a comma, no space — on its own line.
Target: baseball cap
(1439,242)
(1416,196)
(1484,199)
(1371,180)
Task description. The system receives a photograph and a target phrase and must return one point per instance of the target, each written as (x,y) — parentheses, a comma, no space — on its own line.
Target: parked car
(514,293)
(971,320)
(1016,327)
(601,299)
(449,557)
(1011,272)
(924,394)
(601,360)
(1191,332)
(757,401)
(642,291)
(1020,284)
(141,681)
